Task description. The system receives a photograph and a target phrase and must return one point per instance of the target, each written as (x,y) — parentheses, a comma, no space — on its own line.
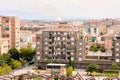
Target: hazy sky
(38,9)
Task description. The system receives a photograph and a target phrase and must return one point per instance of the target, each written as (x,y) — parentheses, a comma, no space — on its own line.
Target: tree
(15,64)
(1,70)
(93,48)
(102,49)
(14,53)
(69,71)
(5,58)
(7,69)
(114,66)
(27,53)
(92,67)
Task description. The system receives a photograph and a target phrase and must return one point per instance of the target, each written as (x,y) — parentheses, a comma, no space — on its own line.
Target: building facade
(116,48)
(10,28)
(4,45)
(60,45)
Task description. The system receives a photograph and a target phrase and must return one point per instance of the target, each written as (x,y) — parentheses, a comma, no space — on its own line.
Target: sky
(60,9)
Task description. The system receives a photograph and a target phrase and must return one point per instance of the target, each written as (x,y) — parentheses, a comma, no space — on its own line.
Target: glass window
(117,44)
(117,49)
(80,59)
(38,52)
(117,60)
(102,39)
(80,43)
(80,53)
(93,39)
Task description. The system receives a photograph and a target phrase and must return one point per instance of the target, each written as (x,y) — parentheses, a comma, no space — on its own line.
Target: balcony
(48,50)
(48,40)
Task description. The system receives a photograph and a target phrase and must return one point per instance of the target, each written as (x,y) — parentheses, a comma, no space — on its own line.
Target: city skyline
(57,9)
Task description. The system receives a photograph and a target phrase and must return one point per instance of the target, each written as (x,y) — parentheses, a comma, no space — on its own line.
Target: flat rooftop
(52,64)
(98,54)
(59,29)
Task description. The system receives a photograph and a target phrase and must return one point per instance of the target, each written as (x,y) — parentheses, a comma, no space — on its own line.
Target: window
(80,53)
(46,43)
(117,54)
(117,49)
(65,33)
(72,58)
(72,43)
(58,38)
(117,60)
(38,37)
(46,48)
(59,52)
(38,52)
(38,42)
(63,38)
(117,44)
(102,39)
(72,53)
(80,59)
(72,38)
(45,52)
(80,43)
(93,39)
(80,48)
(38,57)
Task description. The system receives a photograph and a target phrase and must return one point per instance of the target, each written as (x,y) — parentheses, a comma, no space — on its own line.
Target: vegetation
(27,53)
(15,59)
(92,68)
(114,66)
(97,47)
(15,64)
(105,73)
(14,53)
(5,69)
(69,71)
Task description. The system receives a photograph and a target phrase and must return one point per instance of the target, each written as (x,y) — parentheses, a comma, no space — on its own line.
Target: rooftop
(59,29)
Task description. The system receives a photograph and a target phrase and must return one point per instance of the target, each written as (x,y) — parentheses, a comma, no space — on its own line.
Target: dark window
(38,37)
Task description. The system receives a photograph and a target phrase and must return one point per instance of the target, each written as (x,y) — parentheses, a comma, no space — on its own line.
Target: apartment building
(116,48)
(60,45)
(4,45)
(10,28)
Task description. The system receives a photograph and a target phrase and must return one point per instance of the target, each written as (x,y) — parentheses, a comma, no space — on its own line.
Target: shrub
(111,71)
(92,67)
(69,71)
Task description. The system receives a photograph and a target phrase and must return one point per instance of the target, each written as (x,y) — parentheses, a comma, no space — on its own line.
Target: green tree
(93,48)
(114,66)
(69,71)
(5,58)
(15,64)
(92,67)
(102,49)
(7,69)
(1,70)
(14,53)
(27,53)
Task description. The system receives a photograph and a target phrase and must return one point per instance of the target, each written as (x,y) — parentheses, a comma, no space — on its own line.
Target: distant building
(10,28)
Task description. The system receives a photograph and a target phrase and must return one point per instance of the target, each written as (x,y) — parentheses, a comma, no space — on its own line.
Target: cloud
(85,8)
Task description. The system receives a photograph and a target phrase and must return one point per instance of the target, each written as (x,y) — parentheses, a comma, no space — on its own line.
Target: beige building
(10,28)
(4,45)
